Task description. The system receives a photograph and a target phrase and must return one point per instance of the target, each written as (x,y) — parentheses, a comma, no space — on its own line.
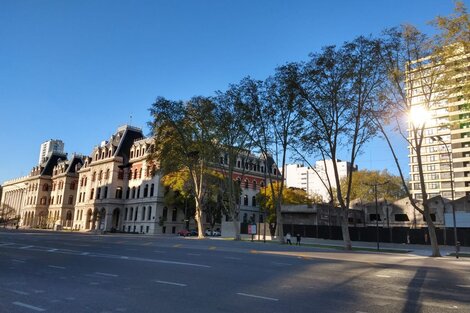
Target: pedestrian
(297,243)
(288,239)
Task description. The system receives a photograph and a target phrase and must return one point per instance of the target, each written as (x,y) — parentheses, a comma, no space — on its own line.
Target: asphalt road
(73,272)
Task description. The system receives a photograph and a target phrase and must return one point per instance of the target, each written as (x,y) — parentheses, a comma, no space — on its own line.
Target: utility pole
(375,185)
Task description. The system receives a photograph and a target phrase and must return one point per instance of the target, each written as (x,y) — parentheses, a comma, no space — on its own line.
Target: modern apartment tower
(446,144)
(48,147)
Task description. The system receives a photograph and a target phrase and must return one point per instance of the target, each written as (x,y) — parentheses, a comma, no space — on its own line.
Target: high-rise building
(446,138)
(48,147)
(315,180)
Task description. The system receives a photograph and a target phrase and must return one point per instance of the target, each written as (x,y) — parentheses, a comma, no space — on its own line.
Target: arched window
(72,185)
(165,213)
(106,175)
(254,184)
(261,184)
(245,200)
(105,195)
(143,214)
(92,193)
(133,192)
(253,201)
(131,213)
(70,199)
(151,190)
(93,176)
(128,191)
(136,212)
(125,214)
(146,190)
(100,176)
(140,173)
(85,181)
(120,173)
(138,192)
(135,174)
(45,187)
(149,213)
(246,183)
(132,154)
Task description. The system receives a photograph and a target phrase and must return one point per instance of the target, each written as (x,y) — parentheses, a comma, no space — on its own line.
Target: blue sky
(76,70)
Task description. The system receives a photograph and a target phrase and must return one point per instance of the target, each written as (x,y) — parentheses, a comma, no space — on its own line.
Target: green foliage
(390,186)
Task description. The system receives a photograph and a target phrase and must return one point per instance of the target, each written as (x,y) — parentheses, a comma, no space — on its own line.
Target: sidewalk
(422,250)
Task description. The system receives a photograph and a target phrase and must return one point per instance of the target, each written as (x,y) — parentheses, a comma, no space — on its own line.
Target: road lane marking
(52,250)
(18,261)
(383,276)
(85,253)
(463,286)
(177,246)
(232,258)
(280,263)
(26,247)
(31,307)
(125,257)
(255,296)
(19,292)
(147,244)
(170,283)
(158,251)
(6,244)
(58,267)
(194,254)
(106,274)
(212,248)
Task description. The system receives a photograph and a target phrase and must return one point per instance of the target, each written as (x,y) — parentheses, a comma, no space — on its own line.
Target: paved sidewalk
(423,250)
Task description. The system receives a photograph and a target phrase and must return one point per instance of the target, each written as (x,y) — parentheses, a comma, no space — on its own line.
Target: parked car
(216,233)
(193,232)
(208,232)
(212,233)
(184,233)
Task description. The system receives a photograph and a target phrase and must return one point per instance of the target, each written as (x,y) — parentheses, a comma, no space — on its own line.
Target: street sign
(252,229)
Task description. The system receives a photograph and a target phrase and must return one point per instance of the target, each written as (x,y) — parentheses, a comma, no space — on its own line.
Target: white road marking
(463,286)
(255,296)
(232,258)
(31,307)
(26,247)
(106,274)
(52,250)
(125,257)
(383,276)
(18,261)
(85,253)
(19,292)
(6,244)
(280,263)
(170,283)
(58,267)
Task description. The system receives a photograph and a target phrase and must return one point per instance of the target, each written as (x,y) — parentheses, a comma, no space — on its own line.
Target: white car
(213,233)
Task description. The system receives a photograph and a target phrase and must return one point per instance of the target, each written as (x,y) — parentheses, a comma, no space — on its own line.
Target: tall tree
(341,87)
(406,54)
(283,98)
(392,188)
(184,141)
(233,137)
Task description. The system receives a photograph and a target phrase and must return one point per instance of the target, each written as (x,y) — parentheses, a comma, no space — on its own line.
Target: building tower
(446,145)
(48,147)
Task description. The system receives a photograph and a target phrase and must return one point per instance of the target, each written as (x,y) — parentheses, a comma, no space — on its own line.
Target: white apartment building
(315,180)
(49,147)
(446,146)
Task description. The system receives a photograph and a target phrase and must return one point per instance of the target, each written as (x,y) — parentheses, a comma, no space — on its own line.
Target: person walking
(297,243)
(288,237)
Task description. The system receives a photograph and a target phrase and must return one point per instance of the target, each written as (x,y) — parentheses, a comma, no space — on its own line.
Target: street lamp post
(375,185)
(439,139)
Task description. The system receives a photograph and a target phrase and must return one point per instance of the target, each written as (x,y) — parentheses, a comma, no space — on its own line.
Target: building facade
(49,147)
(315,180)
(117,188)
(446,140)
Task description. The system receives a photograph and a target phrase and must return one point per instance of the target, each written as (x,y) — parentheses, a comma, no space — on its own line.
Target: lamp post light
(375,185)
(439,139)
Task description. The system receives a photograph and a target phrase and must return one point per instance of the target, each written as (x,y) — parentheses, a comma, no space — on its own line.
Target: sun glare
(418,116)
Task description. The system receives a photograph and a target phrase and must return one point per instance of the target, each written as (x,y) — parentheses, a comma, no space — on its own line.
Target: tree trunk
(431,232)
(198,217)
(236,227)
(345,229)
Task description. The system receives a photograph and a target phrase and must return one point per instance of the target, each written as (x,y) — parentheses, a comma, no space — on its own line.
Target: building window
(119,193)
(125,214)
(254,184)
(72,185)
(165,213)
(92,193)
(253,201)
(135,174)
(45,187)
(93,176)
(105,195)
(143,214)
(131,212)
(149,213)
(246,183)
(138,192)
(127,193)
(120,174)
(174,213)
(136,213)
(133,192)
(146,190)
(245,200)
(100,175)
(106,175)
(151,190)
(70,199)
(401,218)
